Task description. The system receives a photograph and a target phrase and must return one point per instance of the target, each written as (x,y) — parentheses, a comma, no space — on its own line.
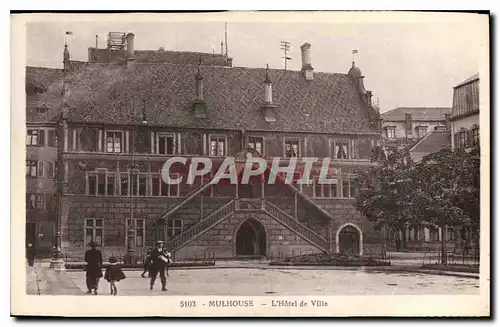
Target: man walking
(159,261)
(93,258)
(31,254)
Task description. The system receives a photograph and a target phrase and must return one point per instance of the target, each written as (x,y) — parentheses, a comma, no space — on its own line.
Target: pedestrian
(31,254)
(147,264)
(93,258)
(114,274)
(159,262)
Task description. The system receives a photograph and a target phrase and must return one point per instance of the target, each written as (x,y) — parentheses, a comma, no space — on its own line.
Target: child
(147,264)
(113,274)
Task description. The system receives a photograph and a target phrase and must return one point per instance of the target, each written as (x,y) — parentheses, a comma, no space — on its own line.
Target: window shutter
(41,137)
(50,138)
(51,169)
(40,171)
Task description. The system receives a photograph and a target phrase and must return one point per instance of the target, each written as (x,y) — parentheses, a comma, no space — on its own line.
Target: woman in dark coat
(30,254)
(93,258)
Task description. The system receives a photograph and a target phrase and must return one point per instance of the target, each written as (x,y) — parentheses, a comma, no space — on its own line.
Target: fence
(470,259)
(205,258)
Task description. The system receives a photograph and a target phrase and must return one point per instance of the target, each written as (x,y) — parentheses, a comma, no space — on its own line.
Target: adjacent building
(41,158)
(404,126)
(465,114)
(123,113)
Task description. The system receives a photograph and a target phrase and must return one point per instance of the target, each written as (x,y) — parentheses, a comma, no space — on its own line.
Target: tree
(384,195)
(446,190)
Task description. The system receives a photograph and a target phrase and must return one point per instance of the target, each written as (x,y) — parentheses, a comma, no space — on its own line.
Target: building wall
(465,123)
(401,131)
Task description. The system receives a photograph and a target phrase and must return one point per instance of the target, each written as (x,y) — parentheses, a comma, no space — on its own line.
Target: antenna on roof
(221,47)
(96,41)
(285,46)
(225,36)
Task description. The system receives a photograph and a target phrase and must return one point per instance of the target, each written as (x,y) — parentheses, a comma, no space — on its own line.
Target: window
(462,139)
(35,201)
(217,146)
(114,141)
(166,143)
(52,169)
(52,138)
(475,136)
(421,131)
(292,148)
(349,189)
(160,188)
(325,190)
(124,181)
(391,132)
(34,168)
(341,150)
(256,143)
(35,137)
(174,228)
(93,230)
(434,234)
(138,227)
(101,183)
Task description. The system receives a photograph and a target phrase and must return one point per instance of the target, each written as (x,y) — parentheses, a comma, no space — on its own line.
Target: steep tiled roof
(418,113)
(234,97)
(40,81)
(432,142)
(470,79)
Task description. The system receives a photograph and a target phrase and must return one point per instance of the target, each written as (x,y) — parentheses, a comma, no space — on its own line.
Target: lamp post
(130,232)
(57,262)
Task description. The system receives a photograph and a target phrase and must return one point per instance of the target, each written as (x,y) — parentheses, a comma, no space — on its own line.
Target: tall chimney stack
(307,68)
(268,88)
(130,46)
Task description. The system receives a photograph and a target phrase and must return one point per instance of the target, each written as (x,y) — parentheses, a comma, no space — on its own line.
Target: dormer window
(218,146)
(166,143)
(256,143)
(421,131)
(391,132)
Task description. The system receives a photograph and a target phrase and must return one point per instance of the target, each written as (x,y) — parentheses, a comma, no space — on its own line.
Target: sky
(405,63)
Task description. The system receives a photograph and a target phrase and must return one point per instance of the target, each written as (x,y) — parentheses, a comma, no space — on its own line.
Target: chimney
(199,85)
(408,124)
(268,88)
(307,68)
(130,46)
(268,108)
(199,106)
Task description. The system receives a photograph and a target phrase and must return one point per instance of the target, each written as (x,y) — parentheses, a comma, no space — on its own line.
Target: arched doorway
(251,239)
(349,239)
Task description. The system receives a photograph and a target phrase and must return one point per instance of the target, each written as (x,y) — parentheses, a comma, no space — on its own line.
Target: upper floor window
(292,148)
(114,141)
(421,131)
(35,137)
(160,188)
(340,150)
(475,136)
(35,201)
(391,132)
(218,146)
(256,143)
(166,143)
(462,139)
(101,183)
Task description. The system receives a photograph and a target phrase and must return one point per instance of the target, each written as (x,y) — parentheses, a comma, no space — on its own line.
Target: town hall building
(120,115)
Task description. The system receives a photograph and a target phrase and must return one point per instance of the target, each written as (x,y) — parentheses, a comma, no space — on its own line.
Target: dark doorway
(349,240)
(31,233)
(251,239)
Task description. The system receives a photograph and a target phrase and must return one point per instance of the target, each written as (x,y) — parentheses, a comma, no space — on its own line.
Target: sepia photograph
(259,164)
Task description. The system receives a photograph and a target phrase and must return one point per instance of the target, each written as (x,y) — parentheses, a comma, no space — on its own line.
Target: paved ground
(257,278)
(289,282)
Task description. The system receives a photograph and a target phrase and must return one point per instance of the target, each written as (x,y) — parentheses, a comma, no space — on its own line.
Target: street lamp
(130,232)
(57,262)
